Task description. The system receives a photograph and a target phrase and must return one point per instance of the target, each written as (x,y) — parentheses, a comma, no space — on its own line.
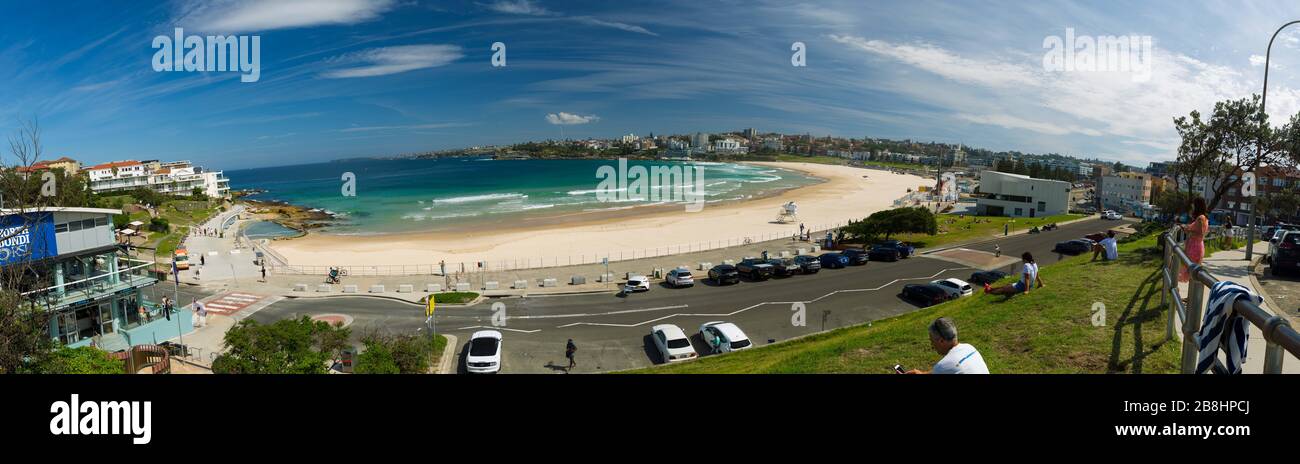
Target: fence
(1278,334)
(282,266)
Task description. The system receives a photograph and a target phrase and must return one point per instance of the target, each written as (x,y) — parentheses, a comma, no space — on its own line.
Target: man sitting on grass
(958,358)
(1028,275)
(1107,245)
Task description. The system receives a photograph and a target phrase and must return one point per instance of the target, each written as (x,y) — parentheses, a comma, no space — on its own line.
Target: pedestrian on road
(203,313)
(263,273)
(1006,229)
(569,350)
(202,261)
(997,251)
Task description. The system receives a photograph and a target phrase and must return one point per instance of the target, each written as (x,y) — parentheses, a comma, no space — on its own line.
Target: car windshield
(679,343)
(738,344)
(483,347)
(634,282)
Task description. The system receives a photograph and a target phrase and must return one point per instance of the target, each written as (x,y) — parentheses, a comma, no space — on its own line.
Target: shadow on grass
(1143,307)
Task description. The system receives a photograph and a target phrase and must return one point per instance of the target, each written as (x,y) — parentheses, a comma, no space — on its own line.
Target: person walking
(1227,234)
(569,350)
(202,261)
(263,273)
(167,307)
(1194,246)
(202,312)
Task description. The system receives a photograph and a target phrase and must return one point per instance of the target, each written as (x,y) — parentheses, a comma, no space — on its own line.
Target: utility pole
(1259,146)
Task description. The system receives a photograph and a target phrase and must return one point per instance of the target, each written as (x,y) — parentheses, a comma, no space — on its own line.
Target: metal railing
(283,268)
(1279,336)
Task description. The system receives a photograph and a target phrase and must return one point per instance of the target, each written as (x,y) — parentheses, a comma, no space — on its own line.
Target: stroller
(333,277)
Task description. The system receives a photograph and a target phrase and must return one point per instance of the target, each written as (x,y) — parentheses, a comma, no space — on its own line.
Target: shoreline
(611,233)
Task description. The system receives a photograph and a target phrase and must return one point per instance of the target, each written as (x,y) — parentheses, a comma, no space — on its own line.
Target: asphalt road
(611,331)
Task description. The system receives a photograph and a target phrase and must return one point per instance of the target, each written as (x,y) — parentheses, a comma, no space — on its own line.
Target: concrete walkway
(1232,265)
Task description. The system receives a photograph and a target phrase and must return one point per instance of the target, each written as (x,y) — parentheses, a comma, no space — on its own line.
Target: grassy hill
(1047,331)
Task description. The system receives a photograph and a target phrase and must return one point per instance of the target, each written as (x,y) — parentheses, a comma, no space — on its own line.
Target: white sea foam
(485,197)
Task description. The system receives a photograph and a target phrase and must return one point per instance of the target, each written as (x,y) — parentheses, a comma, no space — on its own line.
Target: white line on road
(499,328)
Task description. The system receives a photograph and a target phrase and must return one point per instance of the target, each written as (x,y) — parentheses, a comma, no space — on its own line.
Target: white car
(955,287)
(724,337)
(680,277)
(484,353)
(1111,215)
(672,342)
(637,283)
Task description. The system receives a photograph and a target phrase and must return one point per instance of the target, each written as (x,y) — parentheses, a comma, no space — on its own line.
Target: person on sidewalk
(1028,276)
(202,312)
(958,358)
(1194,247)
(264,273)
(1227,234)
(167,307)
(202,261)
(1107,245)
(569,350)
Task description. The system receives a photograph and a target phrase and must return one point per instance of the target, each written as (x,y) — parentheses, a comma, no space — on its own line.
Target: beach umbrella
(136,223)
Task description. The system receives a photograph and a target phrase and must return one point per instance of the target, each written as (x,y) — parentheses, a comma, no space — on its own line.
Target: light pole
(1259,146)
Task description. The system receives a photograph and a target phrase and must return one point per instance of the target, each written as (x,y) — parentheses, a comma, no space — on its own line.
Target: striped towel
(1223,329)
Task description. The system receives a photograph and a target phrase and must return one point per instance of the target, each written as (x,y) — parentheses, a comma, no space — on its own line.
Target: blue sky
(346,78)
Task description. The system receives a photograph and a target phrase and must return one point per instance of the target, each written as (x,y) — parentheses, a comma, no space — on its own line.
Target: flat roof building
(1016,195)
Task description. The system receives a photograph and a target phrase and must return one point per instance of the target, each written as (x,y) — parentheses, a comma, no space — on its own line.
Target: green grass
(965,229)
(1047,331)
(454,297)
(896,165)
(439,345)
(811,159)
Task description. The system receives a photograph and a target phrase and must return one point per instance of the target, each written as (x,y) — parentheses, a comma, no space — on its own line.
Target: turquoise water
(268,229)
(464,193)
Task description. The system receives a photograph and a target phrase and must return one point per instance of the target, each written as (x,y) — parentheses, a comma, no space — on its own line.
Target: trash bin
(346,358)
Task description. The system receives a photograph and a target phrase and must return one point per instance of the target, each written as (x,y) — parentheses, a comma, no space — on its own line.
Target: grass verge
(1047,331)
(957,229)
(454,297)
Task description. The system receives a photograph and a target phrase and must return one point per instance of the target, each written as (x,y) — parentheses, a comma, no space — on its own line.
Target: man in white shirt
(1107,245)
(958,358)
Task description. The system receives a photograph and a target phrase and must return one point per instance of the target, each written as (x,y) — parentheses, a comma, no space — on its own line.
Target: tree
(894,221)
(1238,138)
(1174,203)
(395,354)
(24,326)
(289,346)
(1280,205)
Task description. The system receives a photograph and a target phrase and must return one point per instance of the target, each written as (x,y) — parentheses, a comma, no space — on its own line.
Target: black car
(925,294)
(881,253)
(784,267)
(1286,253)
(833,260)
(904,250)
(723,274)
(755,269)
(856,257)
(986,277)
(808,264)
(1073,247)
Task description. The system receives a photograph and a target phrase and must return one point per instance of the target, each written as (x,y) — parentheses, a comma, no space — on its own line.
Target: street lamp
(1259,147)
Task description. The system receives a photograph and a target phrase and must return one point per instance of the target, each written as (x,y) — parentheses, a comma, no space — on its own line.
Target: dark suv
(1286,254)
(856,257)
(904,250)
(755,269)
(808,264)
(724,274)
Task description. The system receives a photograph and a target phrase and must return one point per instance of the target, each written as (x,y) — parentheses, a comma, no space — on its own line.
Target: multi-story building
(1005,194)
(1129,191)
(68,165)
(72,267)
(175,178)
(1267,180)
(729,147)
(700,140)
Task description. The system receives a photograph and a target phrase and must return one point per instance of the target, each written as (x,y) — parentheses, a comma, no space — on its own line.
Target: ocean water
(459,193)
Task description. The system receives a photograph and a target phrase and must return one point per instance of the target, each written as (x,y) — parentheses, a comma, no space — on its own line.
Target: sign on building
(26,237)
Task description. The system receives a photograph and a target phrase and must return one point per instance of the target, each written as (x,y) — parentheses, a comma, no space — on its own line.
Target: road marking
(741,310)
(499,328)
(611,313)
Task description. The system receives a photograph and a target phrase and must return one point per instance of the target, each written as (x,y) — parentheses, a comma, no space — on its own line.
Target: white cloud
(522,7)
(398,59)
(588,20)
(1013,122)
(236,16)
(569,119)
(945,63)
(1256,60)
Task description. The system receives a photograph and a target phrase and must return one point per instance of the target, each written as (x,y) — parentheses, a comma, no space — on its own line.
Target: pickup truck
(755,269)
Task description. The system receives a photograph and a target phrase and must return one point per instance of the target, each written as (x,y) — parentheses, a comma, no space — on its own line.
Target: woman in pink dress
(1195,244)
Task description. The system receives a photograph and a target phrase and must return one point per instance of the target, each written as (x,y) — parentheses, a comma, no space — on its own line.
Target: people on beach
(1028,276)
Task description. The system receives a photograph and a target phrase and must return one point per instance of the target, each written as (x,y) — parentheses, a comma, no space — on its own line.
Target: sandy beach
(846,194)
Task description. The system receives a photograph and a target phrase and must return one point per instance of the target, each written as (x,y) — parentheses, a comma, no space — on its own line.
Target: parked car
(724,337)
(833,260)
(724,274)
(672,342)
(904,250)
(956,288)
(784,267)
(1111,215)
(1073,247)
(680,277)
(882,253)
(925,294)
(755,269)
(636,283)
(986,277)
(1286,255)
(484,352)
(856,256)
(809,264)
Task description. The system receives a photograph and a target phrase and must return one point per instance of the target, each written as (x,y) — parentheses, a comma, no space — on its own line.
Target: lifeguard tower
(789,213)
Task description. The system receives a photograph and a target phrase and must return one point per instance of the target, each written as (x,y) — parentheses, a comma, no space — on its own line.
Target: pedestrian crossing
(231,302)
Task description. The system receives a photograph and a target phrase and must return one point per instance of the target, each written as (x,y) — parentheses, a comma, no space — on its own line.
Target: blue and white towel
(1223,329)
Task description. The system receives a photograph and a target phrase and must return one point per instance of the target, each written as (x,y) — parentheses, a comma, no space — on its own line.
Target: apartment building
(175,178)
(1129,191)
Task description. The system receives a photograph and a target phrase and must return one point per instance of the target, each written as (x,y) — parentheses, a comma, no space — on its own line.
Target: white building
(1004,194)
(729,147)
(700,140)
(173,178)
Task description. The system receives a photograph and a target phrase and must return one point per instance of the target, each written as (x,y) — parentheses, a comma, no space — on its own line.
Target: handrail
(88,279)
(1280,337)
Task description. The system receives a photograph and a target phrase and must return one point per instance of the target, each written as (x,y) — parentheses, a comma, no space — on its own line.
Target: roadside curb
(446,362)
